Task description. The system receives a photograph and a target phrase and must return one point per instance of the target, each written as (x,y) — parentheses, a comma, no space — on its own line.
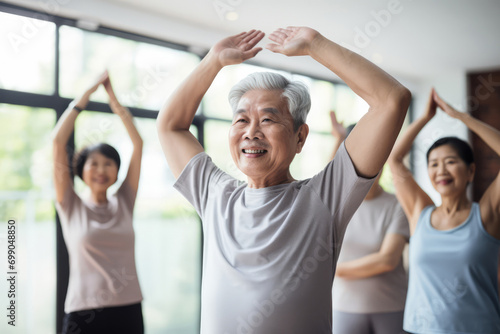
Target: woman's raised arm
(490,201)
(411,197)
(134,169)
(62,131)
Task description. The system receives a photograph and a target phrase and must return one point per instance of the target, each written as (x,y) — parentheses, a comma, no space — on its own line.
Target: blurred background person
(103,295)
(370,286)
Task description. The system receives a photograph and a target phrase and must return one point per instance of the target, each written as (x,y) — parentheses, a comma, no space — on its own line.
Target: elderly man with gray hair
(271,244)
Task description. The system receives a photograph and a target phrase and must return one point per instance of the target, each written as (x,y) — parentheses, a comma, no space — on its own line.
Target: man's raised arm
(176,116)
(371,141)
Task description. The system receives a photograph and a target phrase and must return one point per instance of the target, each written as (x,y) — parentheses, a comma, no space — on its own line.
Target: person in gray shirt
(370,286)
(271,244)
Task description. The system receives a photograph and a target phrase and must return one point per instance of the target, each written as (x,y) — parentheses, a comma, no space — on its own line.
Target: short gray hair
(296,93)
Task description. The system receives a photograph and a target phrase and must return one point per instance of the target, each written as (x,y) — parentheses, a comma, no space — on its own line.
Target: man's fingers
(247,35)
(251,34)
(279,34)
(251,53)
(256,38)
(239,37)
(274,47)
(276,39)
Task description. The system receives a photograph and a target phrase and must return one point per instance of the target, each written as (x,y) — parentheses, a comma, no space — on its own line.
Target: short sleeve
(69,202)
(200,179)
(341,189)
(399,223)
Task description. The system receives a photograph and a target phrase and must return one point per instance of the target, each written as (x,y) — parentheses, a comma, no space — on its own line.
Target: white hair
(296,93)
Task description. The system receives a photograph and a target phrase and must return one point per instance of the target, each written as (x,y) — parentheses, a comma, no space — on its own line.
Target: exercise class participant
(271,244)
(370,286)
(103,294)
(454,246)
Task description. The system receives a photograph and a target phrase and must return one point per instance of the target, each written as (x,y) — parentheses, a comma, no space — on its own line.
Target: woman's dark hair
(462,148)
(107,150)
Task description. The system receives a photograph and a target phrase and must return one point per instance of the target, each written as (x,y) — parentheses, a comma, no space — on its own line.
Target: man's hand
(293,41)
(238,48)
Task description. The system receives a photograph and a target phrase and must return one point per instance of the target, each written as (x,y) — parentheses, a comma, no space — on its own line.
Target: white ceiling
(422,39)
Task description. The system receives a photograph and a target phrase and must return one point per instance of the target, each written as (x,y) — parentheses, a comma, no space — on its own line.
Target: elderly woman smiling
(271,244)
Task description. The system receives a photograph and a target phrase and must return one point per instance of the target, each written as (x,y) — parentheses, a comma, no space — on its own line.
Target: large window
(28,52)
(44,64)
(168,231)
(26,196)
(142,74)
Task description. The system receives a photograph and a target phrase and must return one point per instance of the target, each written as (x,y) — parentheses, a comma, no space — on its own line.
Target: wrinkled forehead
(266,110)
(267,101)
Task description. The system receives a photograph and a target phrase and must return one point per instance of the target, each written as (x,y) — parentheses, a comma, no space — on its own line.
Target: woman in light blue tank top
(454,247)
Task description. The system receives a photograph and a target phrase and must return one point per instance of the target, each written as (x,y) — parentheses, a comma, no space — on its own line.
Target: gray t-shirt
(100,241)
(372,222)
(270,254)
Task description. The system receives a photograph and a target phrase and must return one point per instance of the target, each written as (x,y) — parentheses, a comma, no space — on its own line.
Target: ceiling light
(232,16)
(87,24)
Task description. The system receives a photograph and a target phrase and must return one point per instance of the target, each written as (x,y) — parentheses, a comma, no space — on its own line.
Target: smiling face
(99,172)
(261,139)
(448,173)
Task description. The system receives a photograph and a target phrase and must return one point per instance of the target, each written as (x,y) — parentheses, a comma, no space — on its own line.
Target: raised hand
(449,110)
(100,80)
(109,89)
(238,48)
(83,100)
(430,110)
(293,41)
(115,105)
(339,133)
(338,130)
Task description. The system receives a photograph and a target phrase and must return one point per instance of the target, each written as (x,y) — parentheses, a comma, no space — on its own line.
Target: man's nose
(253,130)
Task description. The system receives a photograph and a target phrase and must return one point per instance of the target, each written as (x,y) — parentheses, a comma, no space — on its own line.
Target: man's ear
(302,133)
